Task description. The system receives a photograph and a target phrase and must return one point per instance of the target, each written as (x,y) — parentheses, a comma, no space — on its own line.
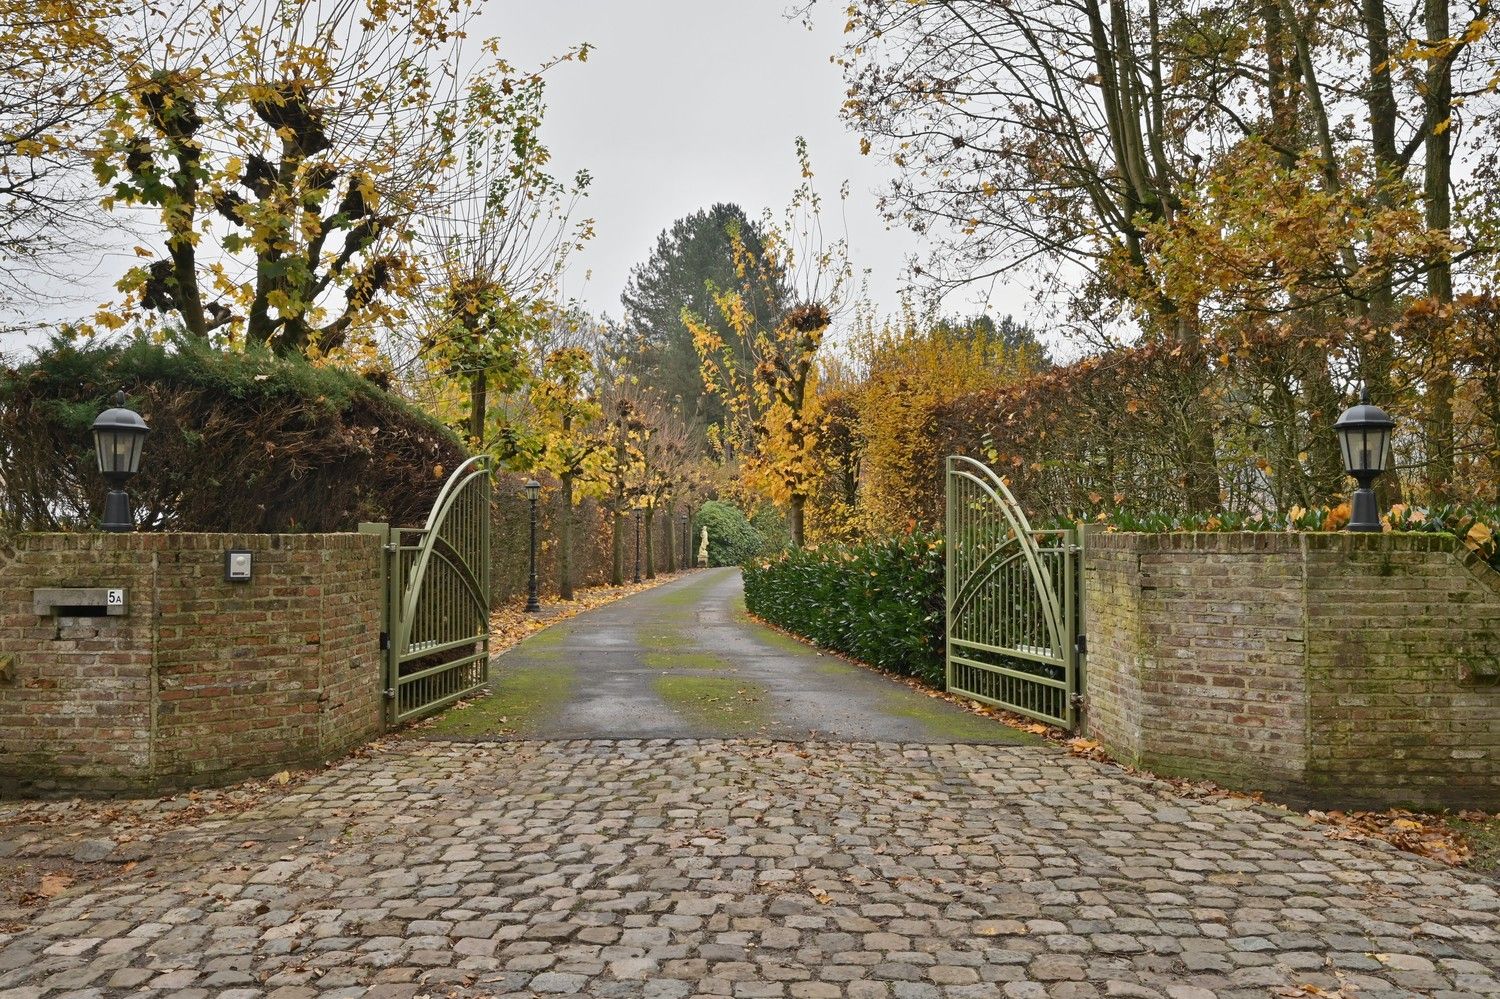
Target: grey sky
(687,102)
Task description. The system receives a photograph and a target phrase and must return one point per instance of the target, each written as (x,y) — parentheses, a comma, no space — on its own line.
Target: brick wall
(204,681)
(1338,668)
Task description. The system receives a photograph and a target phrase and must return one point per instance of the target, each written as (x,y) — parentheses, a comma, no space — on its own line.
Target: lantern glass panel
(119,451)
(1366,449)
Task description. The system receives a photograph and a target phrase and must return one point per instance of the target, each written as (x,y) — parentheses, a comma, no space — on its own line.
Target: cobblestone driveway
(741,868)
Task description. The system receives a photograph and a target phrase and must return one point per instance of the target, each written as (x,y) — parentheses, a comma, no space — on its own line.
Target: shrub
(879,601)
(731,539)
(239,441)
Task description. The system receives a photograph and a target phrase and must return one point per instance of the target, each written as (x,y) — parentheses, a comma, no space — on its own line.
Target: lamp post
(119,435)
(1365,438)
(533,493)
(637,578)
(687,541)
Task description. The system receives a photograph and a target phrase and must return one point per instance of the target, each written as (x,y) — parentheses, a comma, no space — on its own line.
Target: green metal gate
(437,628)
(1013,600)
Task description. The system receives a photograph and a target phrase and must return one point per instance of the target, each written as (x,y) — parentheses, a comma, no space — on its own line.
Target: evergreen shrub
(879,601)
(731,538)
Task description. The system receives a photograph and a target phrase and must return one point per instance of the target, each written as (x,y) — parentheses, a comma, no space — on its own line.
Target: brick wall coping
(1230,542)
(175,540)
(1283,542)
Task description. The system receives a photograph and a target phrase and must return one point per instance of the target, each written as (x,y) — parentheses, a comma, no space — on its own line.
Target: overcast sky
(687,102)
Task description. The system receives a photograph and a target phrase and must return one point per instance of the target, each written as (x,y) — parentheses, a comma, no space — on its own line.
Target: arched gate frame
(436,635)
(1014,601)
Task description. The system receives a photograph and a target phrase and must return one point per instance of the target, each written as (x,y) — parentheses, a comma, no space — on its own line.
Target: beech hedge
(879,601)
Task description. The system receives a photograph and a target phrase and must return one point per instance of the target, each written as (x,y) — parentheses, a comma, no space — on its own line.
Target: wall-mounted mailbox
(80,601)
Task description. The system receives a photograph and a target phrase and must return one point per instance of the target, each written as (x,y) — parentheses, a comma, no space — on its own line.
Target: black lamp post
(533,493)
(637,578)
(119,435)
(1365,437)
(687,542)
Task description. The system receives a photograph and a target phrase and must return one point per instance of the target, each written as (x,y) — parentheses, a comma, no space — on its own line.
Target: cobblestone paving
(669,869)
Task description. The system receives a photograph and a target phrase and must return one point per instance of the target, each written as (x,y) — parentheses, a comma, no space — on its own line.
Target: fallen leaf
(54,885)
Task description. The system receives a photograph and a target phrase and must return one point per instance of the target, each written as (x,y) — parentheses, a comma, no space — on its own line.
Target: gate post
(389,598)
(1081,628)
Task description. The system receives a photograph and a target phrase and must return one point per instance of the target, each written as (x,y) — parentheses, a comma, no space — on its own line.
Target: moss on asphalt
(690,594)
(714,702)
(683,660)
(520,700)
(951,723)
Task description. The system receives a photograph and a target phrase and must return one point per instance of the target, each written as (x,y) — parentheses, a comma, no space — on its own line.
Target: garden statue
(703,550)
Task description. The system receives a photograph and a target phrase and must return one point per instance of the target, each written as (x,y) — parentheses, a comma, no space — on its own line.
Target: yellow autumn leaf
(1480,534)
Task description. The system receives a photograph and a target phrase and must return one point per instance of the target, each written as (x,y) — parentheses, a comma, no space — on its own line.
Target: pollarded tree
(618,467)
(668,453)
(496,248)
(288,149)
(772,421)
(569,440)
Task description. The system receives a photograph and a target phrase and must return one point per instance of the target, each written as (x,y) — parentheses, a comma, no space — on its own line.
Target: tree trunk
(670,536)
(565,540)
(1380,357)
(617,541)
(1439,163)
(799,506)
(650,543)
(479,395)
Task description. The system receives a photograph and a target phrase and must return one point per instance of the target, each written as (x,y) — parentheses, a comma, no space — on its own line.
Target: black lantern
(119,435)
(533,493)
(1365,438)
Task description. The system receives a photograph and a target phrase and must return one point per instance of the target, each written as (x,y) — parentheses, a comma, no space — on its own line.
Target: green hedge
(880,601)
(731,538)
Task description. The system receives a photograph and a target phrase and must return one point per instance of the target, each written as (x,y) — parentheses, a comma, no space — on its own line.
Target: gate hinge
(1081,645)
(385,641)
(1076,700)
(390,693)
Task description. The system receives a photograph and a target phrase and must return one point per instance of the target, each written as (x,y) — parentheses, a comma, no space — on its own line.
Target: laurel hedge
(240,441)
(880,601)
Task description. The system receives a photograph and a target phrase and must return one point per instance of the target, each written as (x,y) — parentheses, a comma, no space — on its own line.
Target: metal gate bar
(1012,599)
(437,632)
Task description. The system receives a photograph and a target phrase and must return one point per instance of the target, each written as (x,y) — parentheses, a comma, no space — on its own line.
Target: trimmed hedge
(240,441)
(880,601)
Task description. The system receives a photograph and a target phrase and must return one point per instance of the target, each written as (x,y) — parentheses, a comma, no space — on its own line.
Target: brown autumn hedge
(240,441)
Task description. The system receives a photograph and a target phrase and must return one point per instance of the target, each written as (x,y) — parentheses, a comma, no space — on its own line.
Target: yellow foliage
(911,370)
